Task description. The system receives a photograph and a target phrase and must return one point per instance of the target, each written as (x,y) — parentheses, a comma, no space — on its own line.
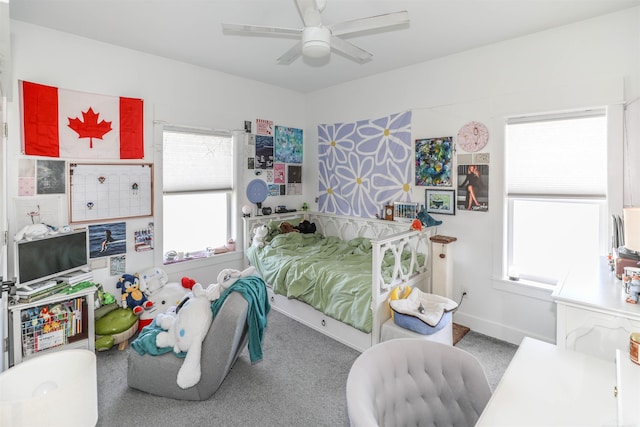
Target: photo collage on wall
(434,169)
(277,156)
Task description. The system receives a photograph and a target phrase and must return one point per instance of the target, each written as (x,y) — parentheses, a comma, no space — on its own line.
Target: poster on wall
(264,127)
(364,165)
(26,177)
(434,161)
(473,188)
(264,152)
(279,173)
(288,145)
(50,177)
(107,239)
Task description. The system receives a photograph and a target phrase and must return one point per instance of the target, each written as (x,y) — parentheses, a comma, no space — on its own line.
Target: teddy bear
(185,329)
(306,227)
(133,296)
(260,234)
(286,227)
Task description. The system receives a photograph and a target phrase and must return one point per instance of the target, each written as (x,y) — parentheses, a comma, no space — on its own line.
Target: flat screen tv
(45,258)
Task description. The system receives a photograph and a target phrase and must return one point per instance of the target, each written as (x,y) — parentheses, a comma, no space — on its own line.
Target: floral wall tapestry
(364,165)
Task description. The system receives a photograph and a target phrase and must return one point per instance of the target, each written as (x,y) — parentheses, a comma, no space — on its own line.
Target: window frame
(606,204)
(231,193)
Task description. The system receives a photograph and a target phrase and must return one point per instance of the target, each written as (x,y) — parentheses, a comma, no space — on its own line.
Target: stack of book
(39,291)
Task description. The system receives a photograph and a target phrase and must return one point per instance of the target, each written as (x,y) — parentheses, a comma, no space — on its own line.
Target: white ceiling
(190,30)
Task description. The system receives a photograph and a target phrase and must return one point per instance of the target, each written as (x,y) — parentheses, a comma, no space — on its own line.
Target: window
(556,179)
(197,173)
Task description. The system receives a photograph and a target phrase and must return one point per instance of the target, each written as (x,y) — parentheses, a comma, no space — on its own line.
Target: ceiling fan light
(316,42)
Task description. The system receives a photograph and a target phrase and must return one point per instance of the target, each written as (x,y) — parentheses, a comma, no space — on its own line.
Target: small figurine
(632,287)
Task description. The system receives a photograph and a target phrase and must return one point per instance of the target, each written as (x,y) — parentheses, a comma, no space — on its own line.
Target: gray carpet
(300,382)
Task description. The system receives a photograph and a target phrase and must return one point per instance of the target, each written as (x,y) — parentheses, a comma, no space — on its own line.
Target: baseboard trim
(497,330)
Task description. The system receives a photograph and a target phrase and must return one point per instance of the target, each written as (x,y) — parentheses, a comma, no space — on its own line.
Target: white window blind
(196,162)
(560,156)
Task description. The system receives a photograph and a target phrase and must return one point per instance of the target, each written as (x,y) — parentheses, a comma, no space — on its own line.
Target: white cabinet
(592,314)
(54,323)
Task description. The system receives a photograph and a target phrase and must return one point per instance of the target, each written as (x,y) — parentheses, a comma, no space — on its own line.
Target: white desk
(592,314)
(549,386)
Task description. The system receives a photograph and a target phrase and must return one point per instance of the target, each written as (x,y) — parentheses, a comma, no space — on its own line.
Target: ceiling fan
(316,39)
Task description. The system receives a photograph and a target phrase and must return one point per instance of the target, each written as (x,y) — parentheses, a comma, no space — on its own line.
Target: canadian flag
(69,124)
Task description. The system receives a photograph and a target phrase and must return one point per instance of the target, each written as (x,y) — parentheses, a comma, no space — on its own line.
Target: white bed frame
(386,236)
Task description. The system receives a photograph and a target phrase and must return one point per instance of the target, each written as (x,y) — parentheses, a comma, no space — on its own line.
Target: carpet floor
(300,382)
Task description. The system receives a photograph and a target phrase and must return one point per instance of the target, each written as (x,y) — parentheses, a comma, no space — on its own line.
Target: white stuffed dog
(187,328)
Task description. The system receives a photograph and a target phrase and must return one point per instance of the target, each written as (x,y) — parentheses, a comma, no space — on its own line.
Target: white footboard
(386,237)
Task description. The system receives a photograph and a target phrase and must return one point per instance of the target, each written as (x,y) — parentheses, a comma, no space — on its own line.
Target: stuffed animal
(186,329)
(153,279)
(260,234)
(306,227)
(133,296)
(32,231)
(399,292)
(165,299)
(426,219)
(286,227)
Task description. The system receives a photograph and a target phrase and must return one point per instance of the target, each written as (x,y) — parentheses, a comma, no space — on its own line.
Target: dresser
(592,314)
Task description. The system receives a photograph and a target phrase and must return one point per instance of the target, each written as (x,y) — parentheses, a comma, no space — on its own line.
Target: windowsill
(228,258)
(525,288)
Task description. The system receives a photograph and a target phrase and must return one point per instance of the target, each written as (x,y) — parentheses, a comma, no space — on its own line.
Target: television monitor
(42,259)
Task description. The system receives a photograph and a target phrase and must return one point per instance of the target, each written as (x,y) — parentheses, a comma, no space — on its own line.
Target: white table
(545,385)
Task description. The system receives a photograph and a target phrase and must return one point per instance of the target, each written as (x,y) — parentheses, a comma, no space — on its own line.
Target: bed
(337,280)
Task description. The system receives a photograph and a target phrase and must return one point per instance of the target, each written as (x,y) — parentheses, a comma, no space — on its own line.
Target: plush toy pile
(163,294)
(186,328)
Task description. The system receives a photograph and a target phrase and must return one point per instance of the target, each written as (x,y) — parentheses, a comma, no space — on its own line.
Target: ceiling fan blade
(259,29)
(351,50)
(370,23)
(309,12)
(291,55)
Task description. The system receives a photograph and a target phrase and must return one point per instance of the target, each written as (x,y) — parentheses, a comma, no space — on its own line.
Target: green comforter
(331,275)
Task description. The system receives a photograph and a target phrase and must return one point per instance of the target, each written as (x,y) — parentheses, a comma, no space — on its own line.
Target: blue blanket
(252,288)
(254,291)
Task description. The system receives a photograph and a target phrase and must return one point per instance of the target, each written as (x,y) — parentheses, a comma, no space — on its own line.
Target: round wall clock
(473,136)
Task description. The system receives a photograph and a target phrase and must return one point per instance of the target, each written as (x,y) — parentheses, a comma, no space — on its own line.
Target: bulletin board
(103,191)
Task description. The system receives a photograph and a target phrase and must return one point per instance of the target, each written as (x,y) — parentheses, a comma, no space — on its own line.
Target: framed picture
(441,201)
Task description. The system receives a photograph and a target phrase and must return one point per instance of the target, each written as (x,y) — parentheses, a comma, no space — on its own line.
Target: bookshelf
(50,324)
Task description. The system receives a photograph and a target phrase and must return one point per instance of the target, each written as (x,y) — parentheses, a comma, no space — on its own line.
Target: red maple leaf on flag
(90,128)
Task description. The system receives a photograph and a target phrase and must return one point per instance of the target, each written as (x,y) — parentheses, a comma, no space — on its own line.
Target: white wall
(590,63)
(173,92)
